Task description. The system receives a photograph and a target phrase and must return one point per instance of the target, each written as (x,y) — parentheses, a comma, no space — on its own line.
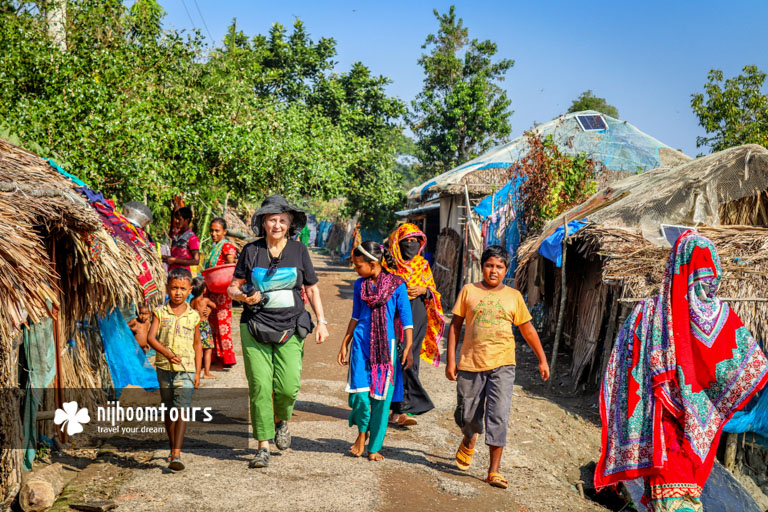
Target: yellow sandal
(496,480)
(464,457)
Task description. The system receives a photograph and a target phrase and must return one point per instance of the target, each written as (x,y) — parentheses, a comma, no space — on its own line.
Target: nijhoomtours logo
(72,417)
(153,417)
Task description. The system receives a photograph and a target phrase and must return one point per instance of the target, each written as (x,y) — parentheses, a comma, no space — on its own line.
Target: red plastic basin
(217,278)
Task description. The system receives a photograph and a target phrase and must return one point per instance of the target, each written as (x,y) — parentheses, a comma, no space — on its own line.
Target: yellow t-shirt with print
(177,333)
(489,315)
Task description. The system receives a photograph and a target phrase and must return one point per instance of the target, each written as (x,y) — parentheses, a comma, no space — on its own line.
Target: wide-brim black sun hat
(277,204)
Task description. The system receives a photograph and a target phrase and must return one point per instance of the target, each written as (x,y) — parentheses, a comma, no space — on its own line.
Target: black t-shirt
(282,287)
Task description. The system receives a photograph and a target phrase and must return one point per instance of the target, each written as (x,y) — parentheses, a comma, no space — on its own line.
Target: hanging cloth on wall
(40,353)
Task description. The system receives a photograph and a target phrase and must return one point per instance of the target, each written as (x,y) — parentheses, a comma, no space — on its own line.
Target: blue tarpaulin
(618,147)
(365,235)
(127,363)
(753,420)
(494,201)
(552,246)
(323,229)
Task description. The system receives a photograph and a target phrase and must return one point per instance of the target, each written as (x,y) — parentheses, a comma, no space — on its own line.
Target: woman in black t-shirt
(276,267)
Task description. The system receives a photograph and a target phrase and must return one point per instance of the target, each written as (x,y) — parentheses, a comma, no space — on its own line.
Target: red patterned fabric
(681,366)
(221,318)
(221,328)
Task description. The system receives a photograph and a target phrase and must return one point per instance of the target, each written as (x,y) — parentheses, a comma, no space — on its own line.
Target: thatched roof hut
(620,255)
(56,260)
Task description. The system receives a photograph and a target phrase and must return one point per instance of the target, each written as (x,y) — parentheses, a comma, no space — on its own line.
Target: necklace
(283,243)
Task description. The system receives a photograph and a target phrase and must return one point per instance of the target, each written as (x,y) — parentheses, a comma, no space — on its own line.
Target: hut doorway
(446,267)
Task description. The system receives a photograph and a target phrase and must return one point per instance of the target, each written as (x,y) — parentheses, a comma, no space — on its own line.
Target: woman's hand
(170,260)
(321,334)
(416,291)
(407,360)
(253,299)
(450,370)
(341,358)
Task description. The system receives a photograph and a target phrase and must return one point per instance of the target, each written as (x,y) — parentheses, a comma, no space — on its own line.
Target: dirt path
(548,443)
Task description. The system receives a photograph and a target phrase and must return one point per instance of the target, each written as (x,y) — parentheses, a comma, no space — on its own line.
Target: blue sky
(646,58)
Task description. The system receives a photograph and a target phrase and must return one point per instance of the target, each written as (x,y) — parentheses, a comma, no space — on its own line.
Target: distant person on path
(175,335)
(406,244)
(185,247)
(268,279)
(204,307)
(223,252)
(370,347)
(485,373)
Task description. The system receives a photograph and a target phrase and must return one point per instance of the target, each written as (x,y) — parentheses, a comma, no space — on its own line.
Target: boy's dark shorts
(176,388)
(485,398)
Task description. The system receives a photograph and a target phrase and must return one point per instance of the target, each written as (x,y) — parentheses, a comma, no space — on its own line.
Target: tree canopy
(145,113)
(732,112)
(588,101)
(461,111)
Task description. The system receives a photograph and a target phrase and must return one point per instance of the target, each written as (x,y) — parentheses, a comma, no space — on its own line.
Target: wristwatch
(322,321)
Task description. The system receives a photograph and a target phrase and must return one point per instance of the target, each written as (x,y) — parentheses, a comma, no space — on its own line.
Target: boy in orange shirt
(485,373)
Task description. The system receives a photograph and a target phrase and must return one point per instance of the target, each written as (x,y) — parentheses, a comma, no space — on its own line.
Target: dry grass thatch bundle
(639,266)
(622,244)
(54,249)
(43,215)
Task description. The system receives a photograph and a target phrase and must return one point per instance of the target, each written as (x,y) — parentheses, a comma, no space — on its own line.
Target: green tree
(733,112)
(461,110)
(145,113)
(588,101)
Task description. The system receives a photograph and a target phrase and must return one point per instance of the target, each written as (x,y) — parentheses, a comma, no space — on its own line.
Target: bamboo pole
(465,255)
(731,445)
(58,397)
(561,313)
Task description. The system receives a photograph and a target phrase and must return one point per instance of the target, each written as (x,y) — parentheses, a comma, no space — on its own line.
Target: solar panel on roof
(589,123)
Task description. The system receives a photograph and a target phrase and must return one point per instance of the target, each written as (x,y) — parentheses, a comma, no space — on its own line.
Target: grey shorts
(176,388)
(485,396)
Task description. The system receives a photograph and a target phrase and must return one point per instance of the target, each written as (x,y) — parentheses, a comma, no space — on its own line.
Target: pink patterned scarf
(376,295)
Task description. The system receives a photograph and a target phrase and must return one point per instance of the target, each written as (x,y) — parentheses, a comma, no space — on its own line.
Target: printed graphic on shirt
(491,319)
(278,287)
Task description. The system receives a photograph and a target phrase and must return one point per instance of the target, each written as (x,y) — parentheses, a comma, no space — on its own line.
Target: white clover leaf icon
(73,418)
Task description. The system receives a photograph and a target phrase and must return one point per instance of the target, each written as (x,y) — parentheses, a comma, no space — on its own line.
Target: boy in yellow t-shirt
(485,373)
(175,335)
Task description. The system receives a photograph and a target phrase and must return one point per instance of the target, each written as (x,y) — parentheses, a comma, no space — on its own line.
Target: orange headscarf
(416,272)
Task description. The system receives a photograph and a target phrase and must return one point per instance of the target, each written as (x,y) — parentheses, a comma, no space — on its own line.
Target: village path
(547,446)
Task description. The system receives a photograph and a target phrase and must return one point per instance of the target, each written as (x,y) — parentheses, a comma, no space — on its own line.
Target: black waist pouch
(304,324)
(265,334)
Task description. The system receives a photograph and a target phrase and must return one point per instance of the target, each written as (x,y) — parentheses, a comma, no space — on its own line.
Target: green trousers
(371,416)
(274,376)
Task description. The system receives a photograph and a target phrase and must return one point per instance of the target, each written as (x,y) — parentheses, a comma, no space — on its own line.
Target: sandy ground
(550,439)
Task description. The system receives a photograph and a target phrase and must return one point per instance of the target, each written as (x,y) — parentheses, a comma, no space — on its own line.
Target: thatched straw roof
(621,253)
(728,187)
(638,265)
(41,213)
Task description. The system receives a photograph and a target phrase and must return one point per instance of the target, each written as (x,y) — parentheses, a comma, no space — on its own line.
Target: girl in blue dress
(380,311)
